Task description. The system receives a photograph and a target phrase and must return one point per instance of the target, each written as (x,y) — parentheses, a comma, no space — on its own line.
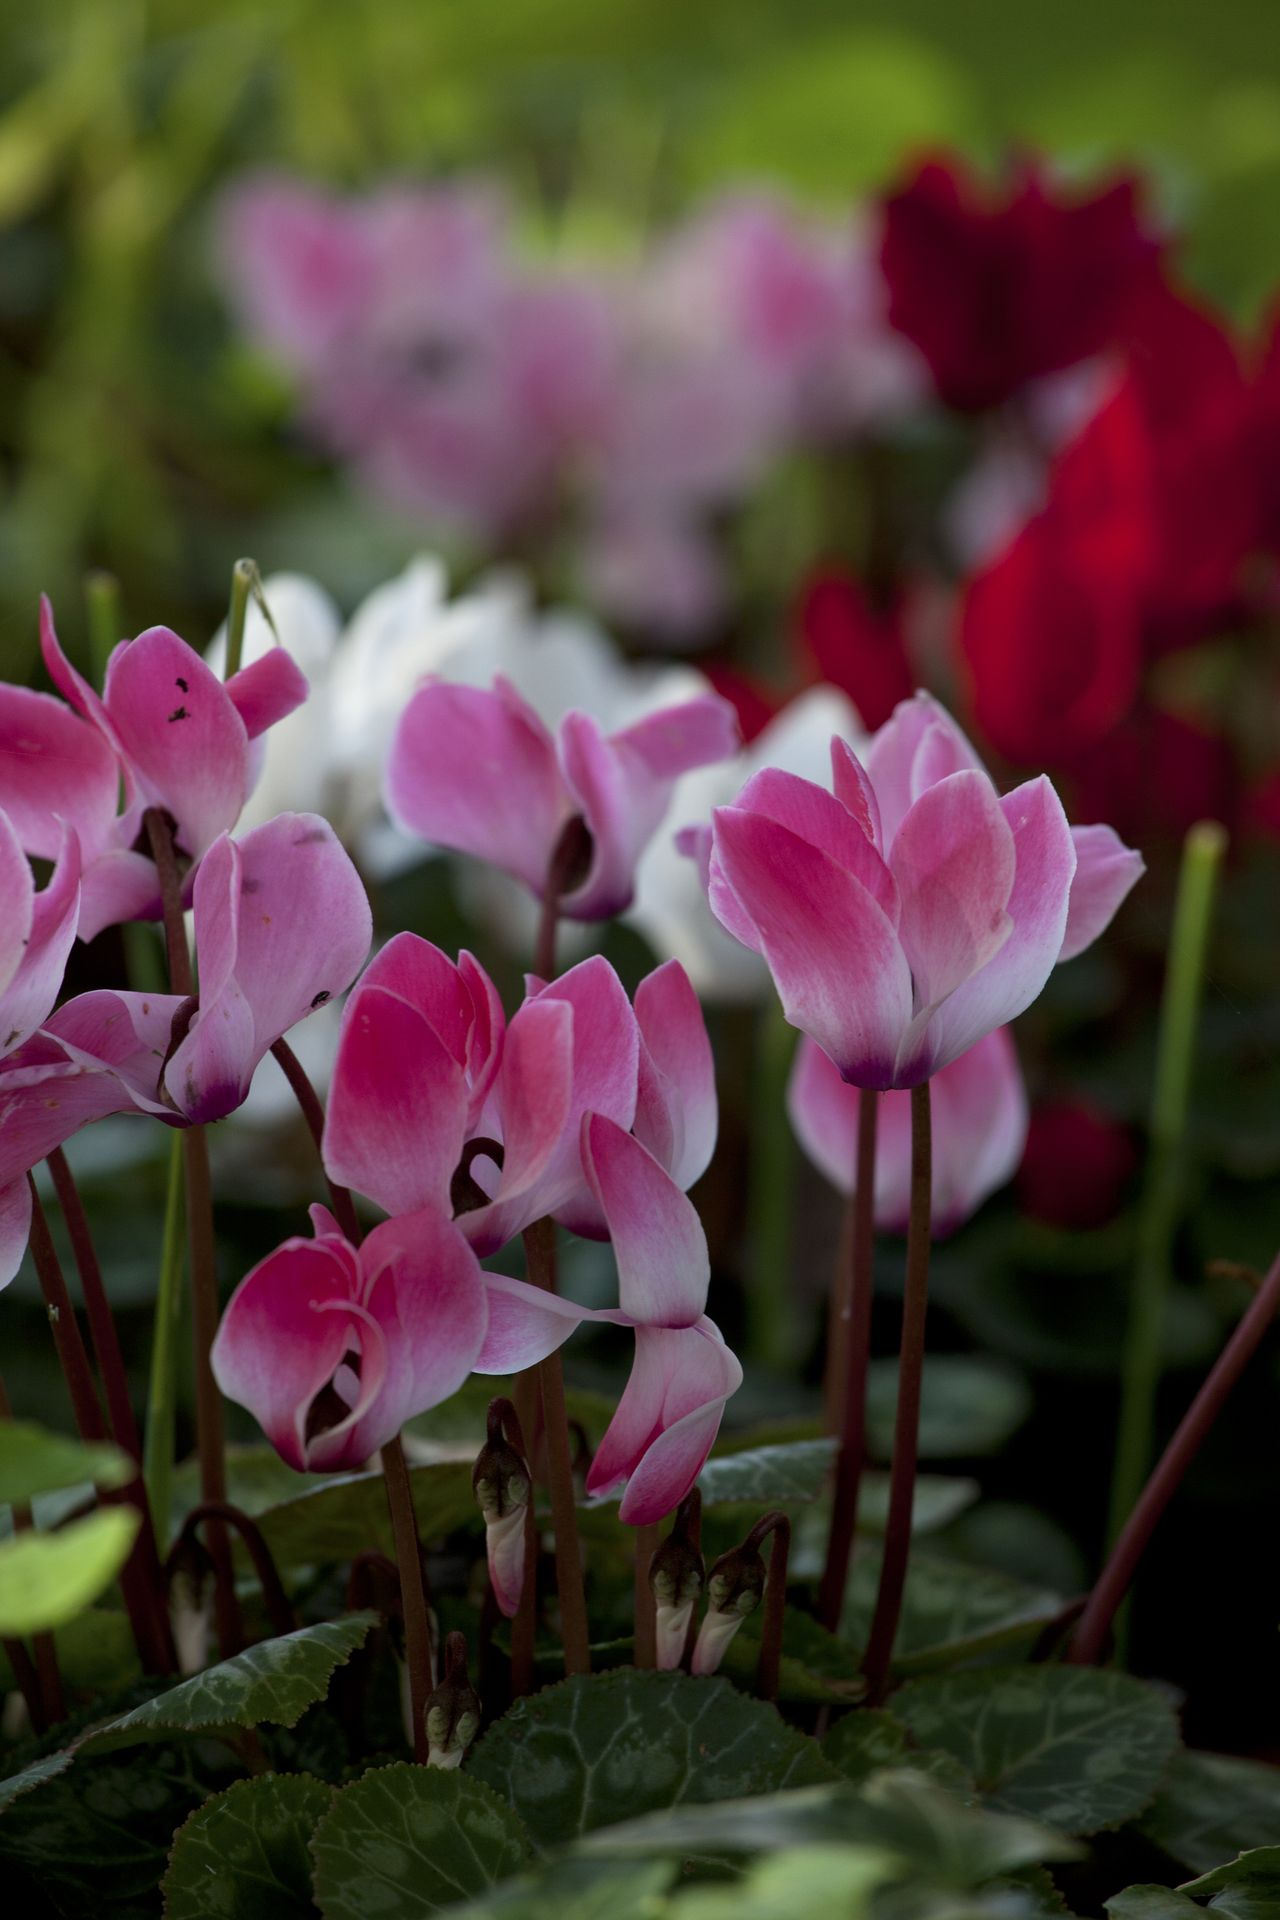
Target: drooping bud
(189,1573)
(735,1587)
(453,1708)
(677,1575)
(501,1482)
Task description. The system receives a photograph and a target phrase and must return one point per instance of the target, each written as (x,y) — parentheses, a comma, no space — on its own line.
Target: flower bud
(453,1709)
(502,1485)
(189,1572)
(734,1589)
(676,1580)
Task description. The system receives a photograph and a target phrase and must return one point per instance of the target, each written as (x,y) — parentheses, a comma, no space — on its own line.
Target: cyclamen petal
(15,1226)
(953,858)
(396,1120)
(56,770)
(674,1037)
(667,1419)
(658,1241)
(1106,873)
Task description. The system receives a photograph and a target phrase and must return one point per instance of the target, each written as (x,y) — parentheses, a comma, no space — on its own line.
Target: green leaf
(870,1740)
(406,1841)
(1077,1748)
(768,1476)
(346,1514)
(250,1843)
(1246,1888)
(35,1775)
(35,1460)
(950,1611)
(276,1682)
(833,1879)
(571,1888)
(46,1579)
(1212,1806)
(589,1752)
(1153,1903)
(969,1405)
(815,1665)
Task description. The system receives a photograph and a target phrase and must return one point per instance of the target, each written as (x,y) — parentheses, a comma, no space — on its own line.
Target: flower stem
(244,575)
(1114,1581)
(544,951)
(646,1611)
(413,1596)
(769,1666)
(102,1327)
(906,1430)
(162,1387)
(851,1343)
(47,1702)
(1163,1188)
(540,1249)
(276,1600)
(770,1322)
(313,1113)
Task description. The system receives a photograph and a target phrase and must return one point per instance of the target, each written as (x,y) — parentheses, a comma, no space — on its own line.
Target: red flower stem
(413,1596)
(647,1540)
(1114,1581)
(540,1249)
(47,1704)
(313,1113)
(210,1436)
(279,1608)
(853,1341)
(141,1596)
(544,952)
(769,1665)
(906,1431)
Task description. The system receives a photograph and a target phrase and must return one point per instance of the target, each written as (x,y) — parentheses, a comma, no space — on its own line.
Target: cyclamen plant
(907,915)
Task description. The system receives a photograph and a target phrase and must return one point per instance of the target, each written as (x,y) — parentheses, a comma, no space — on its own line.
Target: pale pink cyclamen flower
(476,771)
(165,730)
(913,910)
(282,924)
(333,1347)
(979,1131)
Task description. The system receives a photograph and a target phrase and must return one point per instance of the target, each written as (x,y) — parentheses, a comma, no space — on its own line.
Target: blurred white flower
(670,907)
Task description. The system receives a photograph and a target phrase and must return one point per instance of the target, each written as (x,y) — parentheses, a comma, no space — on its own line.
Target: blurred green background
(136,433)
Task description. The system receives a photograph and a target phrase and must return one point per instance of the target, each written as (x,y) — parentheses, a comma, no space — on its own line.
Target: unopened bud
(734,1589)
(189,1571)
(453,1709)
(502,1486)
(676,1579)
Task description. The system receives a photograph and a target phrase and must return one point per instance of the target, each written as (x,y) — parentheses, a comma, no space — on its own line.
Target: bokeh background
(142,432)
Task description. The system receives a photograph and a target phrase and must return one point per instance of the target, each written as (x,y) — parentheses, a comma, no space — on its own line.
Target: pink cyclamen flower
(430,1079)
(979,1130)
(282,924)
(683,1373)
(37,930)
(165,731)
(333,1347)
(475,770)
(912,910)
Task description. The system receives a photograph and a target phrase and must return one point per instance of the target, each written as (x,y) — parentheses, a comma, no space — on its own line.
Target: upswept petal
(526,1324)
(954,862)
(50,918)
(18,892)
(1106,871)
(475,770)
(667,1419)
(622,802)
(676,739)
(15,1225)
(55,768)
(118,885)
(658,1242)
(825,822)
(422,974)
(396,1120)
(287,1329)
(534,1097)
(835,957)
(851,784)
(998,992)
(73,686)
(488,1026)
(269,689)
(180,734)
(606,1053)
(890,759)
(128,1033)
(674,1039)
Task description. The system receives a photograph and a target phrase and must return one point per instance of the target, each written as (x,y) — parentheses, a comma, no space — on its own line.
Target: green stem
(1163,1194)
(102,603)
(244,577)
(162,1389)
(771,1323)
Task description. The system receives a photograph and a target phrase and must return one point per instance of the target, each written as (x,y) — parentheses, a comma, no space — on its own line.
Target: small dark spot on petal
(180,682)
(312,834)
(320,998)
(250,886)
(179,713)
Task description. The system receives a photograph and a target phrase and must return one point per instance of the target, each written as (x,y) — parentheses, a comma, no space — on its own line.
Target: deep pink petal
(475,770)
(606,1054)
(890,758)
(70,684)
(1038,908)
(424,1287)
(268,689)
(417,971)
(658,1242)
(15,1224)
(54,769)
(488,1026)
(396,1119)
(676,739)
(117,886)
(50,919)
(667,1419)
(534,1099)
(834,956)
(18,893)
(674,1038)
(954,861)
(180,734)
(286,1330)
(851,784)
(825,822)
(622,801)
(1106,872)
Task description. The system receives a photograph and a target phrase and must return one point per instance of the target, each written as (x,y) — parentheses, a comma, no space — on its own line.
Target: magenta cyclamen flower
(333,1347)
(37,930)
(912,910)
(437,1102)
(476,771)
(165,731)
(979,1131)
(281,925)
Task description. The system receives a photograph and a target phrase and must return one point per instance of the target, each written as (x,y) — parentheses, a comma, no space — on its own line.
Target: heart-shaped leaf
(408,1841)
(1246,1888)
(46,1579)
(34,1460)
(250,1844)
(1211,1806)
